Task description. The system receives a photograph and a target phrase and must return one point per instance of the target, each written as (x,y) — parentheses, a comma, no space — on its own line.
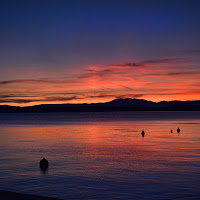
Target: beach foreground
(5,195)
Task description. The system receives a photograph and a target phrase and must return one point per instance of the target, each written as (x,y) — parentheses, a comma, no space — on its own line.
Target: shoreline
(7,195)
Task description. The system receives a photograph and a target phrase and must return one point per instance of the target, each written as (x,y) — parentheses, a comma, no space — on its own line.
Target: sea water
(101,155)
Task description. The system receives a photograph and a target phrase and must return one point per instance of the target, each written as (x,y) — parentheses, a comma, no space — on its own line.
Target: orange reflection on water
(101,146)
(105,152)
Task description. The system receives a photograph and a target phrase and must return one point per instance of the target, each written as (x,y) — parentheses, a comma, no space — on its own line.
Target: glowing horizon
(155,80)
(77,52)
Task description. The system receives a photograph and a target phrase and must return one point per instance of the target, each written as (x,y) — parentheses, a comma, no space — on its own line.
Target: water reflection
(44,171)
(102,159)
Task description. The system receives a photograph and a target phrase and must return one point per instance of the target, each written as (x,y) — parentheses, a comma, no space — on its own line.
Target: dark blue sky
(58,35)
(96,32)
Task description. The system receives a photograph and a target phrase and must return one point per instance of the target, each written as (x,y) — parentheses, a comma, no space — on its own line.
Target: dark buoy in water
(171,131)
(178,130)
(143,133)
(44,164)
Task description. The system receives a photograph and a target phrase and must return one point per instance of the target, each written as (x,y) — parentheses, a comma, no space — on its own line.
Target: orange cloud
(156,80)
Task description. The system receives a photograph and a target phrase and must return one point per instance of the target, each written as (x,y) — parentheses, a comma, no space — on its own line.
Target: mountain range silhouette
(126,104)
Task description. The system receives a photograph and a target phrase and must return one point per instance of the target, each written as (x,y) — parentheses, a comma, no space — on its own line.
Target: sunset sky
(70,51)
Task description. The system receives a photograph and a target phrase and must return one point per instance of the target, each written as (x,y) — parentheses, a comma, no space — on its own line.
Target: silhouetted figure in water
(143,133)
(171,131)
(44,164)
(178,130)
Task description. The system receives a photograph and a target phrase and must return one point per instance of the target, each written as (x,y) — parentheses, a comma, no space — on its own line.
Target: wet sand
(5,195)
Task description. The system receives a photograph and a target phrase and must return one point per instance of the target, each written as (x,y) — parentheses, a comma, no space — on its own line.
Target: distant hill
(126,104)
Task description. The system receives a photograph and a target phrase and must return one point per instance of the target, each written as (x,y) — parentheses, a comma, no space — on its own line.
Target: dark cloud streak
(147,62)
(42,81)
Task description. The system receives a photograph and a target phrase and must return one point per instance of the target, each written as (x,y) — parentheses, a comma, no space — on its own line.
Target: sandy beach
(6,195)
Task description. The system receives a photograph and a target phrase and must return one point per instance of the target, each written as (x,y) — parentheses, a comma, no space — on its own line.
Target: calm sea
(102,155)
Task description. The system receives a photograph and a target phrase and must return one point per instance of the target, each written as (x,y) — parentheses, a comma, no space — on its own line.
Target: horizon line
(95,103)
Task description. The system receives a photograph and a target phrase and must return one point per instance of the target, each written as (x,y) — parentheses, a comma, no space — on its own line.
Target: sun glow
(151,80)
